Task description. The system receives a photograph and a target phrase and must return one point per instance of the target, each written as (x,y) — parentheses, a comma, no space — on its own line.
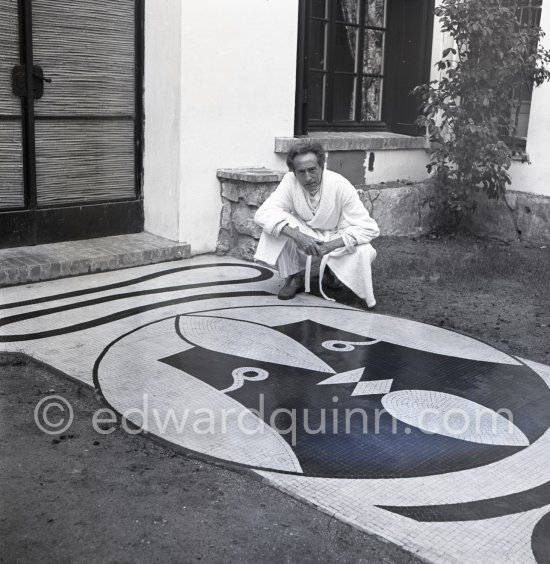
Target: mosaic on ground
(429,438)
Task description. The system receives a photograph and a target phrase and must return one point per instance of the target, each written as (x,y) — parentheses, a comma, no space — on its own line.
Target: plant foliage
(467,113)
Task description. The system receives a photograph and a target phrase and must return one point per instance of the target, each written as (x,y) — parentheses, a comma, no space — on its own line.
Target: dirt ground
(121,498)
(85,498)
(497,293)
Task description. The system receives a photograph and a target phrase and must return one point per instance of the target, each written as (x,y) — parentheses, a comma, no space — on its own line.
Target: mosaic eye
(453,416)
(346,346)
(246,373)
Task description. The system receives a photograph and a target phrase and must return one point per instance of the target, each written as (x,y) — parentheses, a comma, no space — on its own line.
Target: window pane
(316,95)
(371,103)
(530,12)
(344,98)
(347,10)
(345,48)
(319,8)
(376,13)
(373,54)
(317,45)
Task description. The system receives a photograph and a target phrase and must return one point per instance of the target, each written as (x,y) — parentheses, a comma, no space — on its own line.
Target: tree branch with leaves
(467,113)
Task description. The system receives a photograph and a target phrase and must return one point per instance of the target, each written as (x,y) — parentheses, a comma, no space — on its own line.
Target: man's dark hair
(302,149)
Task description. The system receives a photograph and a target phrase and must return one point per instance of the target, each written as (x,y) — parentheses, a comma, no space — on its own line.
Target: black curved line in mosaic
(123,315)
(111,298)
(519,502)
(392,316)
(540,540)
(220,347)
(265,274)
(160,440)
(309,379)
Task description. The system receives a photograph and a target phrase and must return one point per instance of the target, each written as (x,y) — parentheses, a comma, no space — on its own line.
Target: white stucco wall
(535,177)
(162,105)
(238,72)
(399,164)
(219,87)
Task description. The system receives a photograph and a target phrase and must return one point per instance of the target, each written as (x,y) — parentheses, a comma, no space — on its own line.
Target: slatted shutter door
(84,129)
(11,150)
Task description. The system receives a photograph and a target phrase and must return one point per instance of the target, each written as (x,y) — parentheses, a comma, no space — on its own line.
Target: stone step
(21,265)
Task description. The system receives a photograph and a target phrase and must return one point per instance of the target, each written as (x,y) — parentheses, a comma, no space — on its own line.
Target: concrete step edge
(53,270)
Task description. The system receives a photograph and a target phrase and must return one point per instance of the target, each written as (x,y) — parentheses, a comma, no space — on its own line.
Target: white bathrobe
(340,214)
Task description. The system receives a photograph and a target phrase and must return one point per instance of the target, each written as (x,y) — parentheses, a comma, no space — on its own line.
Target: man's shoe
(330,281)
(293,285)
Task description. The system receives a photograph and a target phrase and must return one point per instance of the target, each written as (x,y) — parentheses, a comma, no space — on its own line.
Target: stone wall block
(511,199)
(402,211)
(243,191)
(225,242)
(245,248)
(395,210)
(533,218)
(519,217)
(258,194)
(426,213)
(230,190)
(367,197)
(226,216)
(243,220)
(491,219)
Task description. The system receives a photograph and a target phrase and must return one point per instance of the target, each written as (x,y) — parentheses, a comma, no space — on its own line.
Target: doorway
(70,119)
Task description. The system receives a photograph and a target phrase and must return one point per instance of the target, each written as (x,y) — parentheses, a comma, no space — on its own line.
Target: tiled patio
(425,437)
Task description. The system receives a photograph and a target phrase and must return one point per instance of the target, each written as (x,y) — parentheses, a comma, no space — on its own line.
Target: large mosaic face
(423,436)
(324,392)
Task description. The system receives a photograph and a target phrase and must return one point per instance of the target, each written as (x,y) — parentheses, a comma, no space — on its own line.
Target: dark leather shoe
(293,285)
(330,281)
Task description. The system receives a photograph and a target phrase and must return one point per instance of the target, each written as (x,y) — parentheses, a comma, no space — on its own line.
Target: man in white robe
(316,214)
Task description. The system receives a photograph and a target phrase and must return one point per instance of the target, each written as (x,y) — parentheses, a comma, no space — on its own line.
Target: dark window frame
(409,26)
(302,123)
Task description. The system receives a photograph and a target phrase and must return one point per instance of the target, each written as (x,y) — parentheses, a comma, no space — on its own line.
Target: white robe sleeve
(356,226)
(276,211)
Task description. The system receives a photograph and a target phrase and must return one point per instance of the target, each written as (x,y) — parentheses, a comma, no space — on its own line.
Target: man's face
(307,171)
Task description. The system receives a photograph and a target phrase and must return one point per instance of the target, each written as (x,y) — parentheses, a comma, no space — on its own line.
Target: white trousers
(291,260)
(352,269)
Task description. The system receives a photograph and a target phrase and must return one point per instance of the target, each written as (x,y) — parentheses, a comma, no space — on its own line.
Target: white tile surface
(130,372)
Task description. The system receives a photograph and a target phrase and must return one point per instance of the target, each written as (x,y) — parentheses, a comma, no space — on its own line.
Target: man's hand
(304,242)
(329,246)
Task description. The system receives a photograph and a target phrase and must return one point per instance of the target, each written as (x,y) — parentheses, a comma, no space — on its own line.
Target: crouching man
(315,215)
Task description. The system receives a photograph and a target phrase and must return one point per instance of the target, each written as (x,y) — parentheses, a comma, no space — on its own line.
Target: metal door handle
(42,77)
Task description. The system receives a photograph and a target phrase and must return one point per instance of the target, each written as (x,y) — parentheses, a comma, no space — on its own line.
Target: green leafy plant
(467,113)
